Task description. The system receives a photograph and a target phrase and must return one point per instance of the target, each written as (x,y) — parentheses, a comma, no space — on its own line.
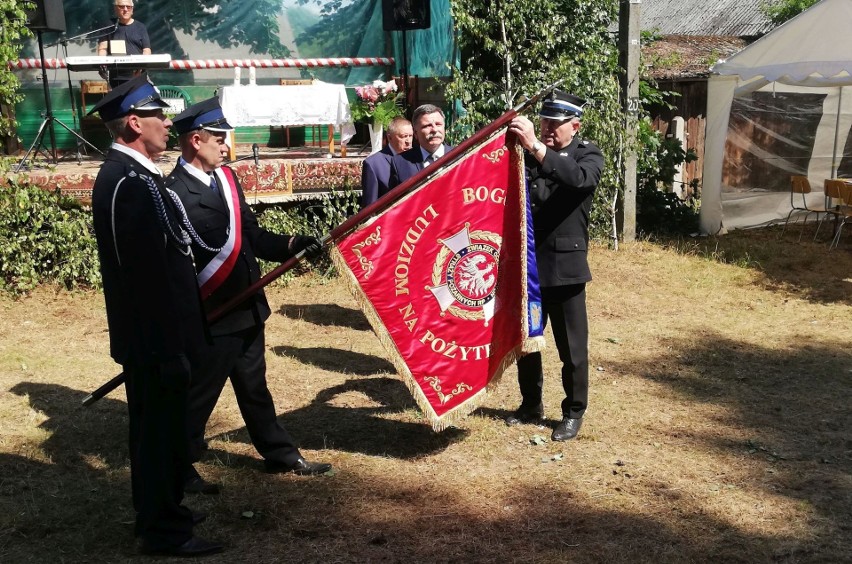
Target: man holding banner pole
(452,229)
(562,173)
(227,265)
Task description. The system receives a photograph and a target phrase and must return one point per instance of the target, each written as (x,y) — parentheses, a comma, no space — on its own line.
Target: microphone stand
(47,124)
(81,141)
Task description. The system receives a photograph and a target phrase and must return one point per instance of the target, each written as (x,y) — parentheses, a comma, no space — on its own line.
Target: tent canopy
(781,106)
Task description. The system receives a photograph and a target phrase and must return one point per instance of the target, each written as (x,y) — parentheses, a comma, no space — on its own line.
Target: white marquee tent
(781,106)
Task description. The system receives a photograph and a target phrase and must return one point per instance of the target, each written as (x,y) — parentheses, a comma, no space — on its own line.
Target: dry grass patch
(717,429)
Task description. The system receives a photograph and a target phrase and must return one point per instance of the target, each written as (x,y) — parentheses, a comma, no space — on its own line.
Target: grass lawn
(718,428)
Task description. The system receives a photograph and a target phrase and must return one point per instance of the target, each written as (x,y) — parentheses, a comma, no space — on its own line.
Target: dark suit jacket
(561,190)
(375,175)
(209,216)
(407,164)
(152,300)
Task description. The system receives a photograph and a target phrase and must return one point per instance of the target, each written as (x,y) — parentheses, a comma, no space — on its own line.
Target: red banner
(442,277)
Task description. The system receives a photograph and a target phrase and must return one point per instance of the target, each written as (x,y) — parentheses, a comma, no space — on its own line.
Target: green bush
(49,238)
(44,238)
(315,218)
(658,211)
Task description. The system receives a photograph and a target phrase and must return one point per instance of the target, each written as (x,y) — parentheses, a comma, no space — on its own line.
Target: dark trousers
(158,454)
(565,307)
(240,356)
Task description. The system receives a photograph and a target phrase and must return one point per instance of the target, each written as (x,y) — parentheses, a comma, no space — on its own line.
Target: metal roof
(732,18)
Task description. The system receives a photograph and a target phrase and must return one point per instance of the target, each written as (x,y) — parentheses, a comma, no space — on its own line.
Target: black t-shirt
(135,37)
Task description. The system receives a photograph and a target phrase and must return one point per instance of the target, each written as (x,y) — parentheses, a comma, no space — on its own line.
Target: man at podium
(130,37)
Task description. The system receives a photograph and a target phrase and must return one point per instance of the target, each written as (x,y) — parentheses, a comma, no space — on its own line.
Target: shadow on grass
(336,360)
(806,269)
(73,510)
(795,406)
(333,422)
(77,431)
(327,315)
(68,499)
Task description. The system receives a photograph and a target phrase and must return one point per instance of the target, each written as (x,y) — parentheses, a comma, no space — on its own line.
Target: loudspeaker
(48,15)
(399,15)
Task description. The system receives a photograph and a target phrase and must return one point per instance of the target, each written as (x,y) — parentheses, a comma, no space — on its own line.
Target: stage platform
(283,175)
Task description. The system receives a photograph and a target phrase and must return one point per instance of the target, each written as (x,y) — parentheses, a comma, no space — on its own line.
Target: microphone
(255,153)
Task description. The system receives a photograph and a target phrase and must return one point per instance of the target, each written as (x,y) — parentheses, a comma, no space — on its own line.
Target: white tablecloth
(303,104)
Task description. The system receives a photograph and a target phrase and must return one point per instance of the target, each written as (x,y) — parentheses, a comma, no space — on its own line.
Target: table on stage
(319,103)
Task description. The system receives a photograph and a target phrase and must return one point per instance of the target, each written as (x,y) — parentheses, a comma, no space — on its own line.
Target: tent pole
(836,133)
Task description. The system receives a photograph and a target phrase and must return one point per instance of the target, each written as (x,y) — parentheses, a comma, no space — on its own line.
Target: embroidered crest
(464,276)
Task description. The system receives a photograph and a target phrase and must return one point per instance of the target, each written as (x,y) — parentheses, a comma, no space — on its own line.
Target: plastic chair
(177,99)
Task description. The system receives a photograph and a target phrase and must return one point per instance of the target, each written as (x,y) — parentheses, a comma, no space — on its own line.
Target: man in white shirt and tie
(375,172)
(428,122)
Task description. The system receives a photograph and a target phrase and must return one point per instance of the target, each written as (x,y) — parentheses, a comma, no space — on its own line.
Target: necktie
(429,160)
(213,184)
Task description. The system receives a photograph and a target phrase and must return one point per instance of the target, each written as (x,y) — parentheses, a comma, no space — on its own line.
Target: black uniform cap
(206,114)
(559,105)
(138,94)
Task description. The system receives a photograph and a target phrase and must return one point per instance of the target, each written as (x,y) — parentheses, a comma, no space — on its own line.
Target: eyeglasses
(120,7)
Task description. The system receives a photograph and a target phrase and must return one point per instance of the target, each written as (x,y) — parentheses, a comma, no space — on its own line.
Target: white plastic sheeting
(801,73)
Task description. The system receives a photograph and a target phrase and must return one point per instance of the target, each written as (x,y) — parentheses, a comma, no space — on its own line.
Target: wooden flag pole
(351,224)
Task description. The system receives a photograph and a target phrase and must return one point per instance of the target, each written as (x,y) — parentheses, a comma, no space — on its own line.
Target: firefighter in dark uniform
(563,172)
(229,242)
(153,312)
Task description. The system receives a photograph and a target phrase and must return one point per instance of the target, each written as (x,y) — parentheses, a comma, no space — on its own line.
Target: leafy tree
(513,48)
(658,209)
(333,34)
(13,32)
(779,11)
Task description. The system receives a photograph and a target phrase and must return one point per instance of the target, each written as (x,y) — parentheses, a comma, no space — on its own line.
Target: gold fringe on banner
(528,344)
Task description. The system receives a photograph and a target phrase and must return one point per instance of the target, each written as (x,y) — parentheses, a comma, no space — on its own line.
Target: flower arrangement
(378,102)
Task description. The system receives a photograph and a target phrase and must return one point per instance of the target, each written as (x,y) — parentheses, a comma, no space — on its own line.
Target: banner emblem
(464,282)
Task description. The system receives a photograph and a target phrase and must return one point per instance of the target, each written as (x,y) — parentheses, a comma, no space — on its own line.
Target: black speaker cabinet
(48,15)
(399,15)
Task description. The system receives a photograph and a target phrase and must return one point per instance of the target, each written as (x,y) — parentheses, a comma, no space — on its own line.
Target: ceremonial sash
(446,276)
(219,268)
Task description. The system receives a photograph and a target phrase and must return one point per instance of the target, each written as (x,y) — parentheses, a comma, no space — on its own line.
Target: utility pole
(629,44)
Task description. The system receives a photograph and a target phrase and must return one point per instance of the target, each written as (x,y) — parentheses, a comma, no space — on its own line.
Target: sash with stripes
(220,267)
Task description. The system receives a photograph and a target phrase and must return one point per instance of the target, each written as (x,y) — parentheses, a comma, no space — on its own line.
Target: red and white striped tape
(231,63)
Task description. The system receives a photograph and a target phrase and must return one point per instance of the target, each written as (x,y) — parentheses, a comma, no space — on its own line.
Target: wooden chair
(800,187)
(833,191)
(91,87)
(845,212)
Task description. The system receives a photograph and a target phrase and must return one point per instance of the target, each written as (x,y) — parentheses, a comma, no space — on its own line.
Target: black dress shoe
(197,484)
(567,429)
(195,546)
(526,415)
(198,517)
(301,467)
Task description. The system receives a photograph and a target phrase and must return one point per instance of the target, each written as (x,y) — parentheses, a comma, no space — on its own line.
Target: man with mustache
(428,122)
(562,172)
